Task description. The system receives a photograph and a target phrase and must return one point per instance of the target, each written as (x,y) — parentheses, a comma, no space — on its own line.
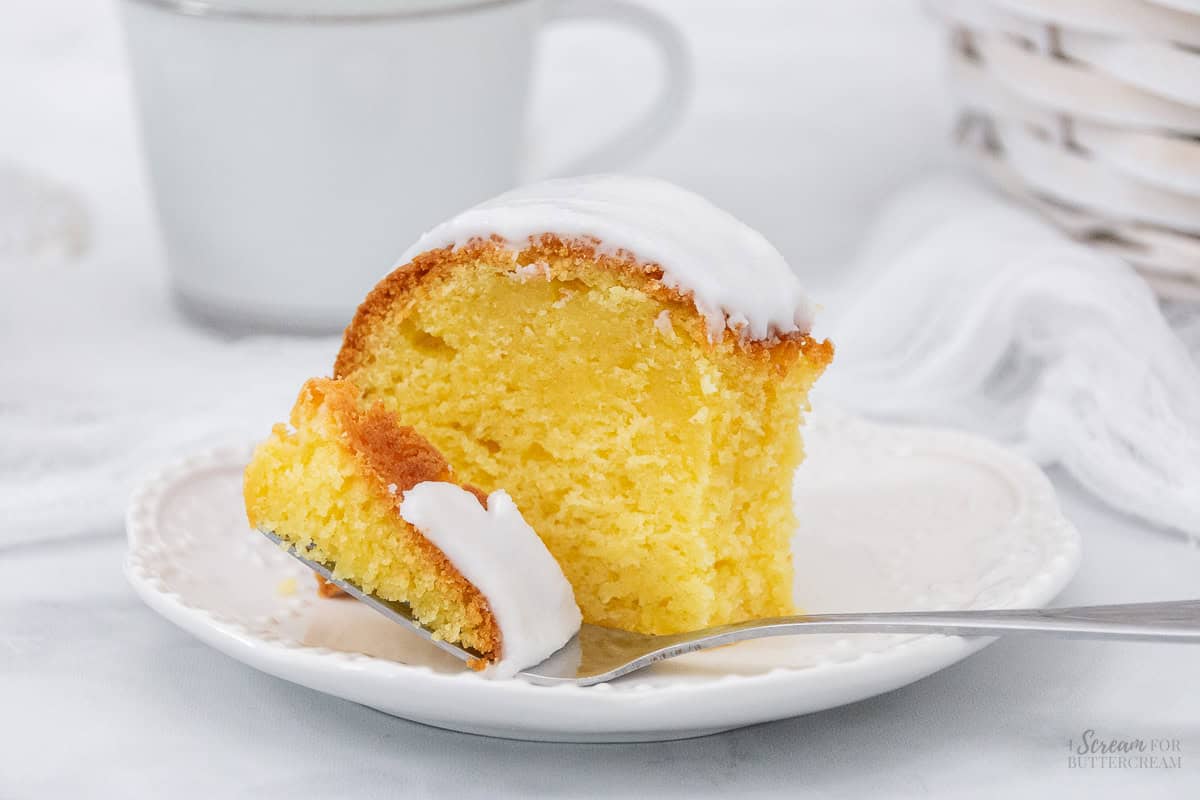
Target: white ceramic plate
(891,518)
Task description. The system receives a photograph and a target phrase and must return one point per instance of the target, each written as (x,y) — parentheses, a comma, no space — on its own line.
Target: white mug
(295,147)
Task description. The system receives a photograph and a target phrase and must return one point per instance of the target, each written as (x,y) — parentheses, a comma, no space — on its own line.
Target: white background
(807,115)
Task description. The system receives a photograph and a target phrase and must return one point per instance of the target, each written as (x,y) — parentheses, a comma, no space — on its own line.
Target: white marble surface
(807,116)
(104,699)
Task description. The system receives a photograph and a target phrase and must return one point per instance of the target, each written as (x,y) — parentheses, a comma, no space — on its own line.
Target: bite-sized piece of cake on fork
(353,488)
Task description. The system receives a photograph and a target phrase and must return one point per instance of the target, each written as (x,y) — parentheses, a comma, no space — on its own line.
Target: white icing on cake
(497,551)
(734,275)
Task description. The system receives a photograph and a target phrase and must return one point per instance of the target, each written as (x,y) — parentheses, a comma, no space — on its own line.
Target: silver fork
(597,654)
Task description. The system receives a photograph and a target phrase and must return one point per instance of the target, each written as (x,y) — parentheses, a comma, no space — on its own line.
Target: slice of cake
(632,365)
(372,499)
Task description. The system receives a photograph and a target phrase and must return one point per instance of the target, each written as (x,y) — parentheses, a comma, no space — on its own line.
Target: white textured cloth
(969,311)
(102,385)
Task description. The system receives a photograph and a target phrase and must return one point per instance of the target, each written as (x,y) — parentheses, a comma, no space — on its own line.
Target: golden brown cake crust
(327,589)
(403,281)
(398,458)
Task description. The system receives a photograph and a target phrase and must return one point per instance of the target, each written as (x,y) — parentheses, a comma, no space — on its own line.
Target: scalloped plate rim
(626,712)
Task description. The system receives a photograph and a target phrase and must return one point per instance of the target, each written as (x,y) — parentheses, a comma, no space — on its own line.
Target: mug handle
(666,110)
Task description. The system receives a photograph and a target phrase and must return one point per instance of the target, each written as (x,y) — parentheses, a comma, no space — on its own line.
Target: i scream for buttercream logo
(1095,750)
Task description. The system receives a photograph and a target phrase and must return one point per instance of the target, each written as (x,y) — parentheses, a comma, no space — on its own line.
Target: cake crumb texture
(655,462)
(322,484)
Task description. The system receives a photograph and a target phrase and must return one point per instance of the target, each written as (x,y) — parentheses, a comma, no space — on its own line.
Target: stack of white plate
(1090,111)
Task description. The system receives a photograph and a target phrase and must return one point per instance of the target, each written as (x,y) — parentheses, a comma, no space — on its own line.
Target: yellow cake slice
(632,365)
(352,488)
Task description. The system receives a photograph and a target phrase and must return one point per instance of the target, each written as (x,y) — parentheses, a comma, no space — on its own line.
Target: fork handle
(599,654)
(1177,621)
